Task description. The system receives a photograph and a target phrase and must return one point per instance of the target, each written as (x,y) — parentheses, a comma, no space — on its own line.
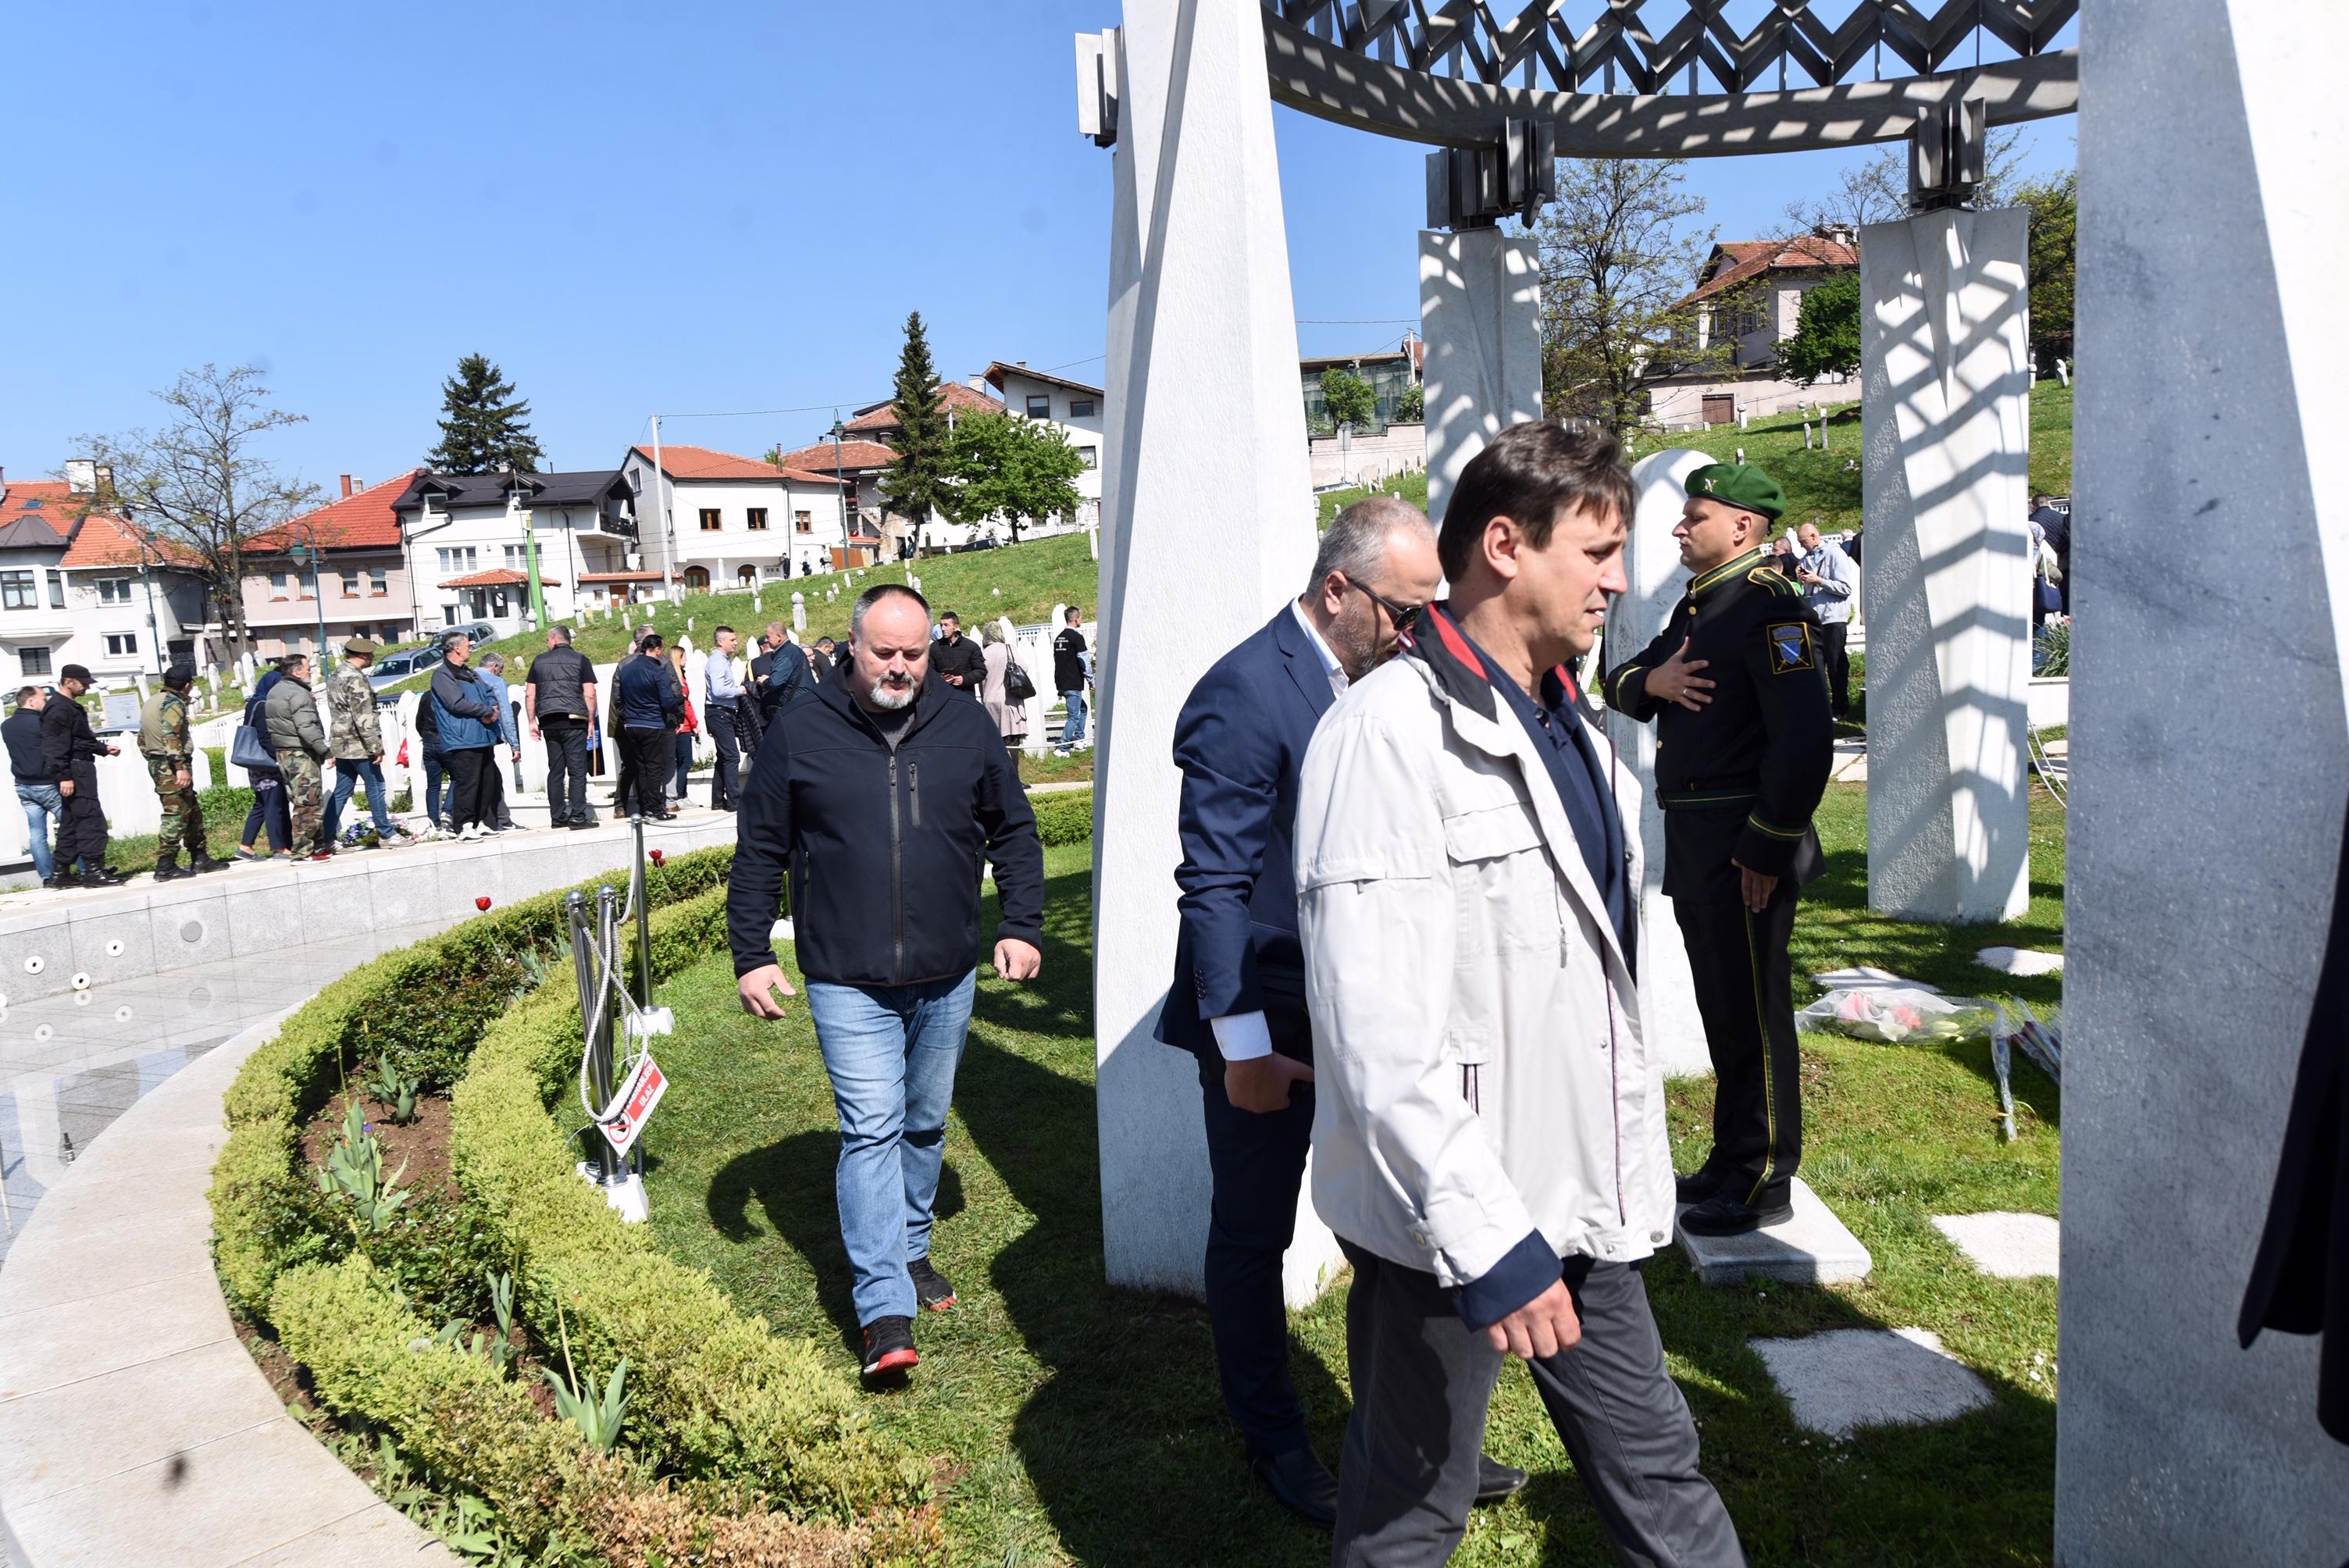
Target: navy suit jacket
(1240,743)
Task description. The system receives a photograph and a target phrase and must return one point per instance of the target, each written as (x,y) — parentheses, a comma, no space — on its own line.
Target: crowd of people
(1410,938)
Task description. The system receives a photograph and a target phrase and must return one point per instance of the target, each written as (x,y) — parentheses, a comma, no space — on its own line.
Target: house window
(56,589)
(456,560)
(756,518)
(1090,456)
(748,577)
(449,615)
(19,592)
(34,661)
(114,590)
(802,522)
(697,579)
(277,585)
(709,520)
(1039,405)
(121,644)
(350,583)
(378,583)
(518,558)
(1080,408)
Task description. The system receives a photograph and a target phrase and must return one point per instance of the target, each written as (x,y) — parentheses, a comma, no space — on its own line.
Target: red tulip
(481,902)
(659,857)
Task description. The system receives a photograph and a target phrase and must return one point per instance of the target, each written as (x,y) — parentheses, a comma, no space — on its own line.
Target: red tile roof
(882,417)
(362,521)
(497,577)
(104,540)
(854,456)
(33,507)
(703,463)
(1750,258)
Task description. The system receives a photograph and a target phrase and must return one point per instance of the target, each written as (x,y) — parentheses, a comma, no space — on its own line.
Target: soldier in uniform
(165,741)
(290,722)
(1742,751)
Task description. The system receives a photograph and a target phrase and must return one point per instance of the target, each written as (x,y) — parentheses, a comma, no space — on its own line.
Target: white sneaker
(470,832)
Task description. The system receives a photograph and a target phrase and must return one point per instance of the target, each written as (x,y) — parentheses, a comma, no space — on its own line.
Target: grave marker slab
(2004,1246)
(1847,1378)
(1811,1248)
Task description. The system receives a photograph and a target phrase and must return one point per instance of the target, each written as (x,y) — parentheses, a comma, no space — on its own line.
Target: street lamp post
(840,480)
(318,583)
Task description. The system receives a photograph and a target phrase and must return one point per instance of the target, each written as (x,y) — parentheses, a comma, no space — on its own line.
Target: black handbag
(1017,686)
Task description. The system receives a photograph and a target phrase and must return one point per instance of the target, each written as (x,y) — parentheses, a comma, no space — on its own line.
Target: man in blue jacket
(648,709)
(883,793)
(1239,999)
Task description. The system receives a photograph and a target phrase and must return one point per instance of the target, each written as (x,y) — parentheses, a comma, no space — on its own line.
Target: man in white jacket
(1489,1139)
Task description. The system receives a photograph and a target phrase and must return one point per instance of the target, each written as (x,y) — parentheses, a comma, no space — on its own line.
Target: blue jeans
(41,801)
(348,771)
(436,767)
(892,1051)
(1074,730)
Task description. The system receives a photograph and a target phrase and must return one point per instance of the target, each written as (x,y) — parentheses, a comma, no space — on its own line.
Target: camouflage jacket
(163,728)
(358,731)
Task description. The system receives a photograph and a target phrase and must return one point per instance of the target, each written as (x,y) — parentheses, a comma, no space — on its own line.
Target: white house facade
(1080,411)
(736,521)
(1751,294)
(467,537)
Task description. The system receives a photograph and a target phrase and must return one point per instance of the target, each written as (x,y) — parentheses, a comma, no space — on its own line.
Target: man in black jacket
(881,799)
(958,660)
(72,749)
(34,790)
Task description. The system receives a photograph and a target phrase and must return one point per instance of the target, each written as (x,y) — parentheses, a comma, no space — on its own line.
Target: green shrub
(1065,817)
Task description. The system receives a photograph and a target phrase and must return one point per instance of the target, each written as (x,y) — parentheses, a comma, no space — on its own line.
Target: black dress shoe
(1723,1215)
(1300,1483)
(1695,1187)
(1495,1481)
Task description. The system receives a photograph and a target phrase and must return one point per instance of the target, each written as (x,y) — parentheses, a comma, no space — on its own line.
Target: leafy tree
(1826,334)
(1876,190)
(2053,206)
(920,482)
(1411,409)
(200,487)
(483,430)
(1022,471)
(1617,271)
(1347,400)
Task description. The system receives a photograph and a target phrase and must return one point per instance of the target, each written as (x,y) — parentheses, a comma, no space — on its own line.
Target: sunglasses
(1402,614)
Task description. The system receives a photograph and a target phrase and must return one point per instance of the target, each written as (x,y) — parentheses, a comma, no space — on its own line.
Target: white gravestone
(1656,579)
(1946,434)
(1199,287)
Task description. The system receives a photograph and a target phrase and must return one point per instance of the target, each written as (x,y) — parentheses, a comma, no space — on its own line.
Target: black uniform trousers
(1258,1166)
(647,757)
(1745,993)
(725,734)
(1837,663)
(81,824)
(566,768)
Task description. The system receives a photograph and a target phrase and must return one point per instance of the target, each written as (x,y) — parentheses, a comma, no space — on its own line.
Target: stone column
(2207,793)
(1652,564)
(1945,427)
(1199,292)
(1480,314)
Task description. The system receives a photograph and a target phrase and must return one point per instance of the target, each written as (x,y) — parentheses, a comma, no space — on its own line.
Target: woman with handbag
(685,731)
(248,749)
(1005,693)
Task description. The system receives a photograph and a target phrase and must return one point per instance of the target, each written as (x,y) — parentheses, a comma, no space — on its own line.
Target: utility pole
(661,495)
(840,480)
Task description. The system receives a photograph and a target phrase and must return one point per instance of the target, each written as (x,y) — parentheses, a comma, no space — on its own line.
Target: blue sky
(682,207)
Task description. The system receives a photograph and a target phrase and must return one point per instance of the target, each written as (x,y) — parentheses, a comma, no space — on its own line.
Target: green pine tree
(483,430)
(920,482)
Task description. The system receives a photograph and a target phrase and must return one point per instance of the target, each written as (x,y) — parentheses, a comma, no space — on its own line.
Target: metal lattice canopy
(1664,78)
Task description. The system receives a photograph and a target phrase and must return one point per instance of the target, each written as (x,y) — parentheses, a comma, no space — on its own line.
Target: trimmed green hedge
(1065,817)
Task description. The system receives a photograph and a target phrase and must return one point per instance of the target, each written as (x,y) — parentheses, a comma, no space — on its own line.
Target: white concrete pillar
(1652,565)
(1480,314)
(1199,289)
(2207,794)
(1944,358)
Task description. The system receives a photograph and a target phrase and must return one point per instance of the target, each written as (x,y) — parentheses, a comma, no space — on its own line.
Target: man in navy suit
(1239,999)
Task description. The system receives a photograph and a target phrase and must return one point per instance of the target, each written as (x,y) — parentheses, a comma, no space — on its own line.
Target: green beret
(1739,485)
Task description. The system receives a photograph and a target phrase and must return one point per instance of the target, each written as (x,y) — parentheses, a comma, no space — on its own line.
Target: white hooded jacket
(1480,1071)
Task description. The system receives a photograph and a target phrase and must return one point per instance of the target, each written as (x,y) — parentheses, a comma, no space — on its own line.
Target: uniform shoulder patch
(1776,580)
(1790,647)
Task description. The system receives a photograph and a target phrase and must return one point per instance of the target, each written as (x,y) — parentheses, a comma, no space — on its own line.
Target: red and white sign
(640,1092)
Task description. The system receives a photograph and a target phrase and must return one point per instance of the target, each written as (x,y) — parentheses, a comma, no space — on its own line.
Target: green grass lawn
(1082,1424)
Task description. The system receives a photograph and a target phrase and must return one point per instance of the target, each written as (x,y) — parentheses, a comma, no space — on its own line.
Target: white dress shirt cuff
(1242,1036)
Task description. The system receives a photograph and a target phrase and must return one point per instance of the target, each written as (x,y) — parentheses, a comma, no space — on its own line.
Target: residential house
(879,423)
(855,468)
(738,521)
(134,608)
(1081,410)
(467,541)
(39,520)
(1391,373)
(356,585)
(1750,296)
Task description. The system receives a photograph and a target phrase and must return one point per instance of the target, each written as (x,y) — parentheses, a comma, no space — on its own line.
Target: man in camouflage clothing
(290,724)
(358,731)
(171,753)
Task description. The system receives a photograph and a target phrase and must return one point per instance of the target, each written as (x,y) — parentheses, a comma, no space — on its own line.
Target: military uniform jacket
(350,701)
(163,730)
(1739,776)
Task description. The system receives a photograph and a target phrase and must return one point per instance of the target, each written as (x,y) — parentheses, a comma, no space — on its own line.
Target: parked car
(399,666)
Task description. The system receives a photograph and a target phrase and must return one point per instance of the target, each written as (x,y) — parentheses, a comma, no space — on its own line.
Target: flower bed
(738,1447)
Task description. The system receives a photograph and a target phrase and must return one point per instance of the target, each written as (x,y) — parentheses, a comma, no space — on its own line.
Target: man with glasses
(1239,999)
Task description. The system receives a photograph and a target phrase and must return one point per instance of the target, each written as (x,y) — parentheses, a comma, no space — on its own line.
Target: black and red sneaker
(931,1288)
(889,1347)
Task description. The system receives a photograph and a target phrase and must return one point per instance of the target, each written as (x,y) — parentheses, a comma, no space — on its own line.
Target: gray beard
(883,697)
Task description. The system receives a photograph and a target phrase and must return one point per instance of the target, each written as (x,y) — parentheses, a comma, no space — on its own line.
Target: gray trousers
(1423,1379)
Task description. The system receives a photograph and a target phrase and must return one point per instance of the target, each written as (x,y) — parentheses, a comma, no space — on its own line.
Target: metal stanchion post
(643,922)
(599,1060)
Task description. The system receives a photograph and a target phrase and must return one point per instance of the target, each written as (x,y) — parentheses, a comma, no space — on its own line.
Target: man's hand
(758,990)
(1542,1327)
(183,778)
(1261,1084)
(1804,574)
(114,751)
(533,730)
(64,786)
(1755,887)
(954,680)
(1676,680)
(1015,960)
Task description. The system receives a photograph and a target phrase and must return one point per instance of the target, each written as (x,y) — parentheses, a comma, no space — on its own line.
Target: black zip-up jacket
(70,747)
(884,848)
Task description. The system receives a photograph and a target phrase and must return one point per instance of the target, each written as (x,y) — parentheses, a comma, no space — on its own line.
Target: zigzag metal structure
(1448,71)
